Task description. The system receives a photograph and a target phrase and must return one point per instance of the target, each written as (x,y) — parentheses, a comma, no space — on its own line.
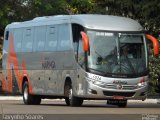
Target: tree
(144,11)
(80,6)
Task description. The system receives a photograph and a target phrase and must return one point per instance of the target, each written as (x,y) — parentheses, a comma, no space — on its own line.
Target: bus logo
(48,64)
(119,86)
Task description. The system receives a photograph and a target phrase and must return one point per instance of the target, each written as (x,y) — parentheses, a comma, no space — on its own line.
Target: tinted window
(6,35)
(64,37)
(5,42)
(40,37)
(51,38)
(18,36)
(80,53)
(27,41)
(77,43)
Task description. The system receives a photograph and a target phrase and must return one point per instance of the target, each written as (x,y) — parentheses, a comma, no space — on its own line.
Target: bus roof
(90,21)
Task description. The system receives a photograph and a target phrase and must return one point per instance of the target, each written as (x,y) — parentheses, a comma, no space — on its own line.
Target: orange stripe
(4,86)
(25,73)
(13,64)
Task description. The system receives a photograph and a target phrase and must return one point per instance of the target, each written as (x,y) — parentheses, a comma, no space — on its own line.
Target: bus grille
(130,87)
(124,87)
(125,94)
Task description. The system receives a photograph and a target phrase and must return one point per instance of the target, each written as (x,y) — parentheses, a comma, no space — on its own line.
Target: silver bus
(76,57)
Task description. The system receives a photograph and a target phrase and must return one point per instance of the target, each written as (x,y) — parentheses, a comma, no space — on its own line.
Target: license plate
(118,97)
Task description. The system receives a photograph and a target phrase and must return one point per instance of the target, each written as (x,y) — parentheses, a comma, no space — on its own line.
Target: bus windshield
(117,53)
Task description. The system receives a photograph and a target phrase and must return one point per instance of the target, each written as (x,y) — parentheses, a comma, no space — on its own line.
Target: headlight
(142,83)
(98,83)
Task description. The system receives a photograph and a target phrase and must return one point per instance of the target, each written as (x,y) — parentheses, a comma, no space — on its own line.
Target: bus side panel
(48,71)
(4,70)
(4,61)
(15,70)
(68,66)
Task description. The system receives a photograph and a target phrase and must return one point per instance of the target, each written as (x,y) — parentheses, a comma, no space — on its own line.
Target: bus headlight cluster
(98,83)
(142,83)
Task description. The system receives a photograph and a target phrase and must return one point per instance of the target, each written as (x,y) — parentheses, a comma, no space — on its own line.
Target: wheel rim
(70,94)
(25,93)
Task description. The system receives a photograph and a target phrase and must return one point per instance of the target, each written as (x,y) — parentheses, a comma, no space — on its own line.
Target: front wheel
(119,103)
(27,98)
(70,99)
(122,103)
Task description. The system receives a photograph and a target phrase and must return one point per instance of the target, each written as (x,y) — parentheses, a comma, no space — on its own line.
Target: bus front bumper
(93,91)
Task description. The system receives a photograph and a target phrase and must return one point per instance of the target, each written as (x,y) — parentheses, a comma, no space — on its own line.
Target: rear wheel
(70,99)
(27,98)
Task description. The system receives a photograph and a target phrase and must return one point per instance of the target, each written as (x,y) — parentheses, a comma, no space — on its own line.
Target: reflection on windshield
(114,54)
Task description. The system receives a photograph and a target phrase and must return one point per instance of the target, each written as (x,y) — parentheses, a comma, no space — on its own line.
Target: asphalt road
(90,110)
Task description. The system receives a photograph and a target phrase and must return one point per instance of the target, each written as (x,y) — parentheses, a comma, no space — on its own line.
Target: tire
(27,98)
(122,103)
(119,103)
(111,102)
(36,100)
(66,93)
(70,99)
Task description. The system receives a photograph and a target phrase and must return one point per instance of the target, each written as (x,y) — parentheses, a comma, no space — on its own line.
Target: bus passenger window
(64,37)
(27,41)
(51,38)
(40,38)
(7,35)
(18,36)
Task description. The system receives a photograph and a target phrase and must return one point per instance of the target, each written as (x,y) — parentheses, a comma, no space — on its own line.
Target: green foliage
(144,11)
(80,6)
(154,68)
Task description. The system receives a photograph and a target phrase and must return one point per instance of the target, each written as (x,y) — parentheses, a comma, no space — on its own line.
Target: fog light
(99,83)
(92,91)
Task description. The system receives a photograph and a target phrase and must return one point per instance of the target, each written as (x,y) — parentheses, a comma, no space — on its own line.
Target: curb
(153,101)
(11,98)
(147,101)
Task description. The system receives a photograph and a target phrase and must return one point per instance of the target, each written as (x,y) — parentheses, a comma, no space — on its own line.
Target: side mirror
(85,42)
(155,44)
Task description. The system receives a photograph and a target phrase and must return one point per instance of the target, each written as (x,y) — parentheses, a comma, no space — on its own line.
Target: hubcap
(70,94)
(25,93)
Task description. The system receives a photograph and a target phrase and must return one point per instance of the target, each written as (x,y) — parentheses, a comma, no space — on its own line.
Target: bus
(77,57)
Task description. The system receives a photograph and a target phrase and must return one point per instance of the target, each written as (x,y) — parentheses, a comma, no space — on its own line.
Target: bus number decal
(95,77)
